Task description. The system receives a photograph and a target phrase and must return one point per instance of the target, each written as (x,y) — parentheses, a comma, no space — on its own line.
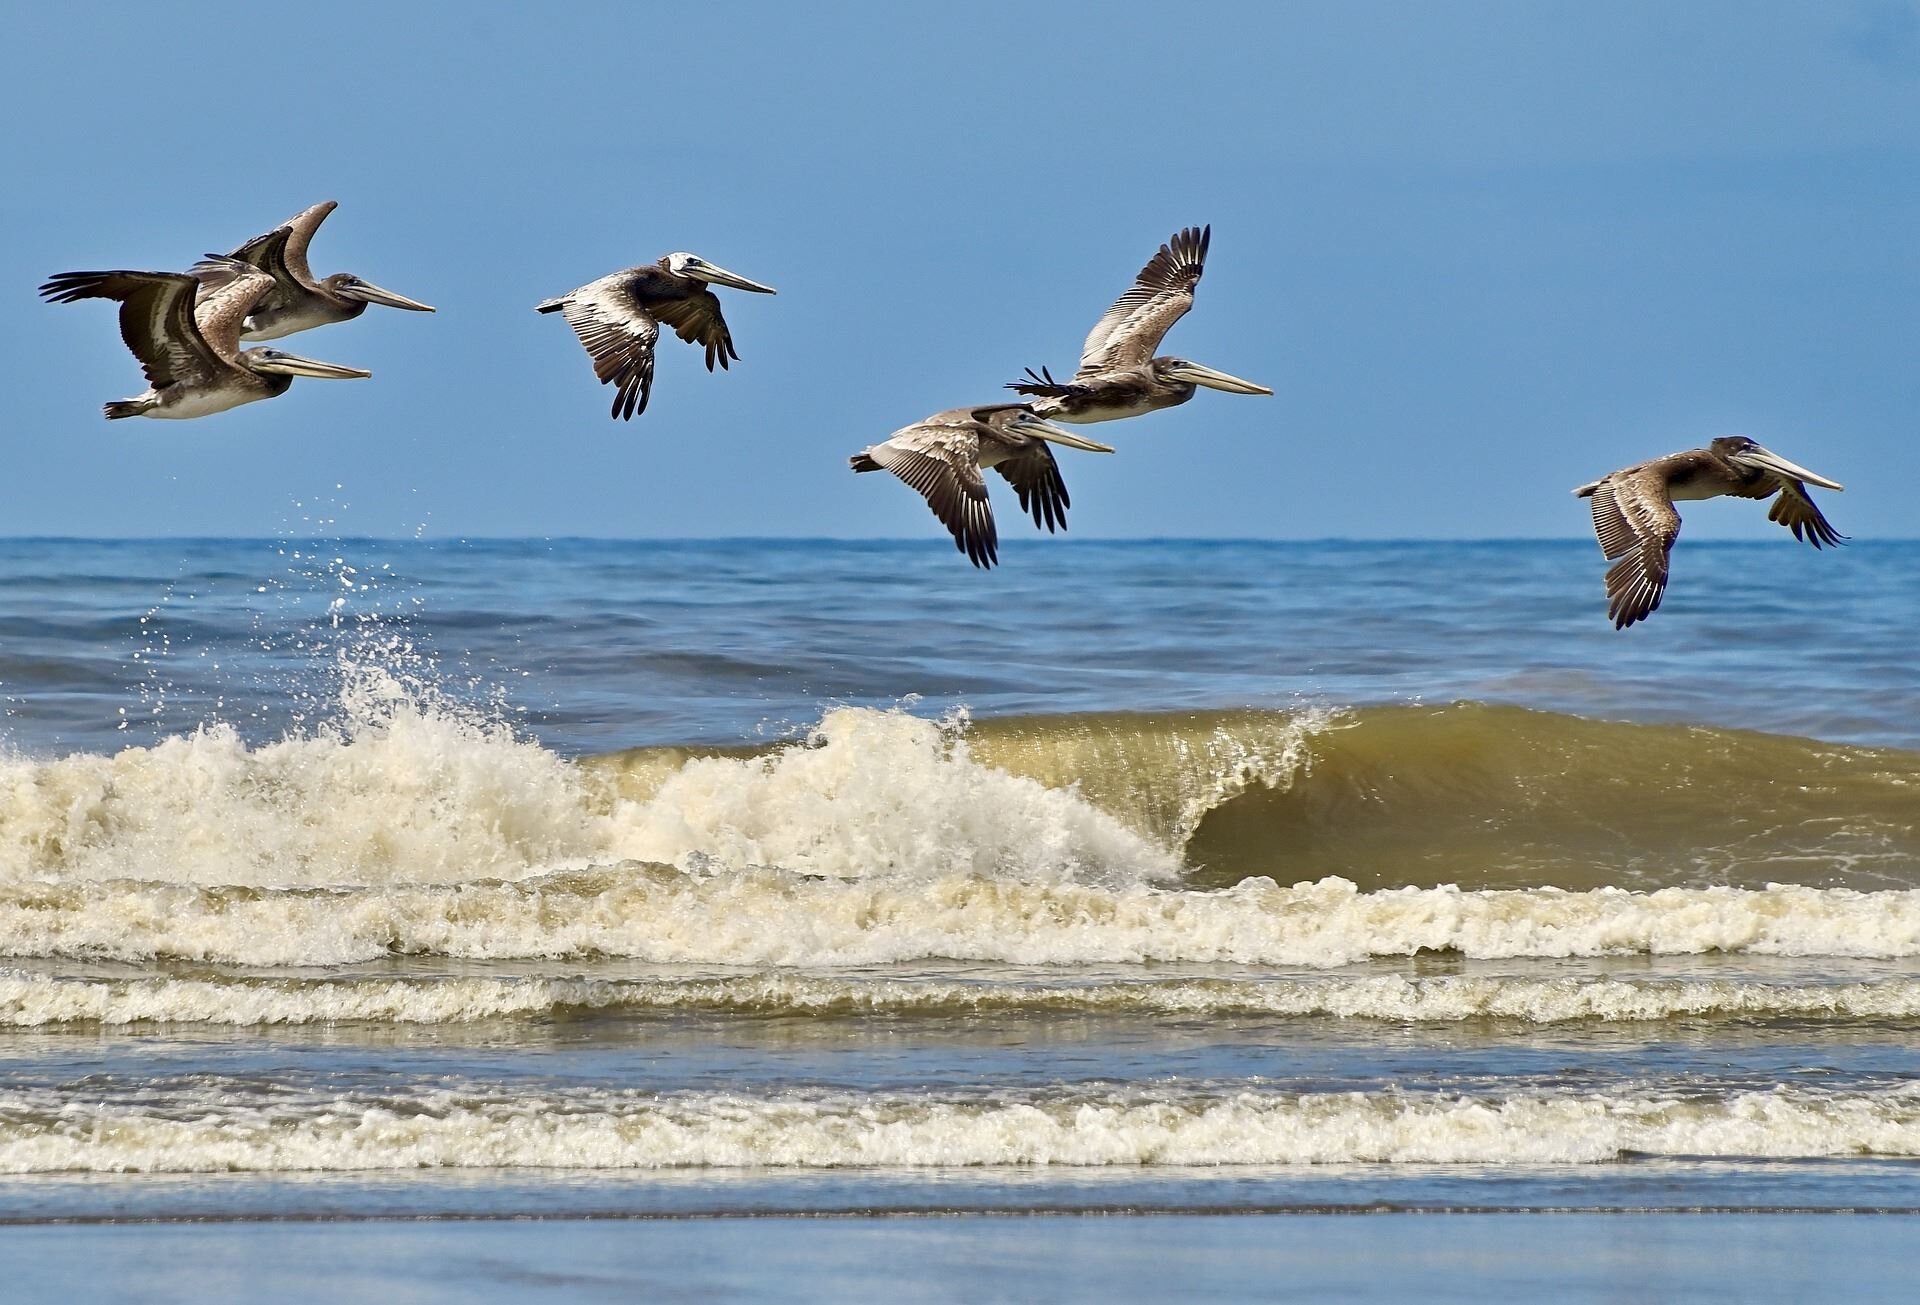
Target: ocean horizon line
(1583,538)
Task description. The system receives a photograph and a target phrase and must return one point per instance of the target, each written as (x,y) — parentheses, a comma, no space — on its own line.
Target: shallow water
(574,877)
(1464,1258)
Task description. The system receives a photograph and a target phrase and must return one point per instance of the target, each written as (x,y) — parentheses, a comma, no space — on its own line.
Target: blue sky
(1483,252)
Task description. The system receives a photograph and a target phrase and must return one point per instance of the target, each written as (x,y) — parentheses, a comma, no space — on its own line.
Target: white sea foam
(210,1130)
(33,1000)
(770,917)
(400,794)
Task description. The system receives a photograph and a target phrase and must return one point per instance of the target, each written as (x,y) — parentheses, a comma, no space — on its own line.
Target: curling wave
(1470,794)
(1271,838)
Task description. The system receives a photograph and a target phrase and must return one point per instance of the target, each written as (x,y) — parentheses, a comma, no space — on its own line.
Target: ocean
(347,878)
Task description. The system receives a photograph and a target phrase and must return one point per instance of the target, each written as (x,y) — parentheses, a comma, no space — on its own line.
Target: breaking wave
(1259,837)
(401,795)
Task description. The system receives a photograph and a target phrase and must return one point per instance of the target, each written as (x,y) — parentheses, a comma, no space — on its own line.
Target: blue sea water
(597,645)
(583,878)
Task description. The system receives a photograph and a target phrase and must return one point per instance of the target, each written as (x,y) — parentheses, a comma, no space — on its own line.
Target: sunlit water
(347,876)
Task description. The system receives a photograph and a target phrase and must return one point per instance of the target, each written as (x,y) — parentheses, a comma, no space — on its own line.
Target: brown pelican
(192,356)
(297,301)
(1119,376)
(1633,512)
(943,455)
(618,319)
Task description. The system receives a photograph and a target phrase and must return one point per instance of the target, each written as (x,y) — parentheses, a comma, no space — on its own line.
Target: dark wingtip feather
(1040,384)
(66,287)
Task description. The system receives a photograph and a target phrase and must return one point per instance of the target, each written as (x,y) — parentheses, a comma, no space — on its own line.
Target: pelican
(618,319)
(943,455)
(298,301)
(192,356)
(1633,512)
(1119,376)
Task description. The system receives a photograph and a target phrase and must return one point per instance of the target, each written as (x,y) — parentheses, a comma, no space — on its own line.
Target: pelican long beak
(720,276)
(1054,435)
(272,360)
(374,294)
(1213,380)
(1773,462)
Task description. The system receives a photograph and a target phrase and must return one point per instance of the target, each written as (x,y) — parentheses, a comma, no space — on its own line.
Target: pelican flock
(618,319)
(186,329)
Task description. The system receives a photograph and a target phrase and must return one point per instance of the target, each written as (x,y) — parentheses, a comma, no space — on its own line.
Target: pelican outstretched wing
(1634,520)
(1795,509)
(1160,296)
(156,320)
(697,319)
(1035,477)
(281,253)
(619,336)
(301,227)
(942,462)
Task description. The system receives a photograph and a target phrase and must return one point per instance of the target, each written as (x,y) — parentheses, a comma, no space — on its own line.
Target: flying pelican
(192,356)
(1633,512)
(297,301)
(618,319)
(1119,376)
(943,455)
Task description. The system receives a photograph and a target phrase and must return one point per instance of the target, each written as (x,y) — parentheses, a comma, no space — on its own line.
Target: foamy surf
(218,1126)
(776,918)
(403,794)
(38,1000)
(404,790)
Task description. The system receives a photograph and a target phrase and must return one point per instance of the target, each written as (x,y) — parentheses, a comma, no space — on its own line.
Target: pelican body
(191,354)
(1635,520)
(1118,374)
(618,320)
(942,457)
(296,299)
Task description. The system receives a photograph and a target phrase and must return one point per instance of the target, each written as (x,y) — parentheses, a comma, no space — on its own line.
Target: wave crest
(407,795)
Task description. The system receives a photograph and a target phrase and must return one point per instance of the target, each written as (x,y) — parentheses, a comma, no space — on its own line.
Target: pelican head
(280,363)
(348,286)
(1743,452)
(1179,369)
(1024,421)
(696,268)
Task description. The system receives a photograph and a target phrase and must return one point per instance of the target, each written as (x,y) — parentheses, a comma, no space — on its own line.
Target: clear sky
(1482,251)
